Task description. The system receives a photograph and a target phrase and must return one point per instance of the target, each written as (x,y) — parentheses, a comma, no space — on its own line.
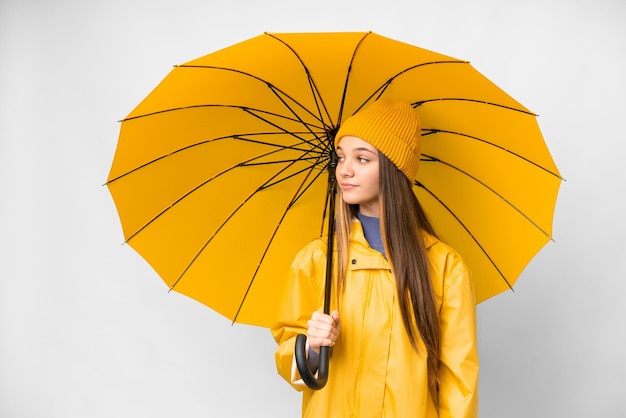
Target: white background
(87,329)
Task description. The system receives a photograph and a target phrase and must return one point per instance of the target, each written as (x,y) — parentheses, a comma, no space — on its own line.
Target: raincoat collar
(362,256)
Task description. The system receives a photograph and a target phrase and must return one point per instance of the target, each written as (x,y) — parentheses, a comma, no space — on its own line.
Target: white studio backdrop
(87,329)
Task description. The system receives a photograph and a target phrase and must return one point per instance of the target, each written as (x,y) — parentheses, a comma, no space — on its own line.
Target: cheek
(372,176)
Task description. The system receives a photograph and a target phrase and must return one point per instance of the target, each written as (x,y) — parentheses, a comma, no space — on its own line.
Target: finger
(321,330)
(316,343)
(322,317)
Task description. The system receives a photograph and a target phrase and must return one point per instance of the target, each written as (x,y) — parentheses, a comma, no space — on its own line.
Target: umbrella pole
(307,375)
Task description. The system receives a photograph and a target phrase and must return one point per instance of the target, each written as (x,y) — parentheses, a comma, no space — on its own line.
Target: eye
(363,160)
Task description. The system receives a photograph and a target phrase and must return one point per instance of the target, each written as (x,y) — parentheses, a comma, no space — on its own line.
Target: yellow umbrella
(221,173)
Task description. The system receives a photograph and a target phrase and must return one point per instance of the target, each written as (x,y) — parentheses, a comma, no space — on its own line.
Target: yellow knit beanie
(392,126)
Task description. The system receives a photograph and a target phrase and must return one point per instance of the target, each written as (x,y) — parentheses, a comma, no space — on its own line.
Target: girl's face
(357,174)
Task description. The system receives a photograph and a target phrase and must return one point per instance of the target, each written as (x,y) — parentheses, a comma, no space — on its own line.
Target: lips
(347,186)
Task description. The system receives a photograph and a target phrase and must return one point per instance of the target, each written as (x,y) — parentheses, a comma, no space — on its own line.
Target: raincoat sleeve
(303,295)
(458,372)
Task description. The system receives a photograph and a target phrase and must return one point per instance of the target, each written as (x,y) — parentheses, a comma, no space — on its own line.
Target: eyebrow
(360,149)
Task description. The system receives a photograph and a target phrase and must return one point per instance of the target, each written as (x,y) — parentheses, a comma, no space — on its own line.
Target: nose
(344,170)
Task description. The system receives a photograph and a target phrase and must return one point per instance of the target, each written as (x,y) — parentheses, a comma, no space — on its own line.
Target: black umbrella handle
(315,383)
(308,377)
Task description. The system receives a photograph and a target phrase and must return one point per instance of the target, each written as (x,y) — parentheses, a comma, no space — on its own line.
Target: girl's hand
(323,330)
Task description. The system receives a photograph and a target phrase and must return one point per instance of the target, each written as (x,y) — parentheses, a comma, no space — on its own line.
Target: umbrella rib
(482,249)
(230,216)
(313,143)
(292,175)
(289,160)
(319,173)
(431,131)
(267,83)
(429,158)
(376,94)
(462,99)
(315,148)
(196,188)
(251,111)
(197,106)
(348,74)
(304,186)
(241,137)
(314,90)
(381,90)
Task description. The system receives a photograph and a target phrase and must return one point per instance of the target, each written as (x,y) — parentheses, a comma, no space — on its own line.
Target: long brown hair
(403,222)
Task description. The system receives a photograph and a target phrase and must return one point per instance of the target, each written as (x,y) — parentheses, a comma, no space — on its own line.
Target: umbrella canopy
(221,173)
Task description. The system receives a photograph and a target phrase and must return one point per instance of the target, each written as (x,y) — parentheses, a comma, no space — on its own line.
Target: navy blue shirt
(371,230)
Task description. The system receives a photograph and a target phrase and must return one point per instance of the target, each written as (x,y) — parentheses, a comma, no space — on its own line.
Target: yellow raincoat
(374,370)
